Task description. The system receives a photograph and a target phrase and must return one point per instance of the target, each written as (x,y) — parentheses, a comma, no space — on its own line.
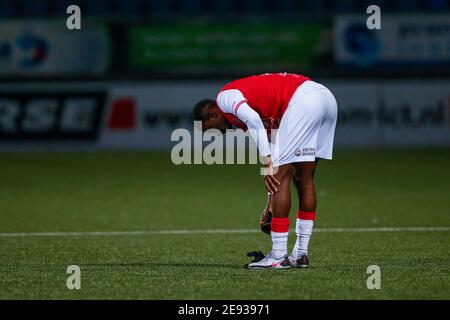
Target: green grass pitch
(127,191)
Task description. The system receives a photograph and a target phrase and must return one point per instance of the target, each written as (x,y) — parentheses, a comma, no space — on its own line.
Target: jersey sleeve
(256,128)
(233,101)
(229,101)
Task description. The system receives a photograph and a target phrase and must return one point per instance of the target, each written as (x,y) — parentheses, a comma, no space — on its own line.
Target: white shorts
(307,127)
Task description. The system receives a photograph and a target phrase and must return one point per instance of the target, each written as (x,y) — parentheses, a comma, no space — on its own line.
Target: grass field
(102,192)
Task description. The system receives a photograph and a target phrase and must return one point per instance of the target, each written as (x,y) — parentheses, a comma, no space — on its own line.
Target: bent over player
(305,114)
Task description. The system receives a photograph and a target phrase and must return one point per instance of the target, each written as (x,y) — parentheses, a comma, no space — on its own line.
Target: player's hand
(271,184)
(270,181)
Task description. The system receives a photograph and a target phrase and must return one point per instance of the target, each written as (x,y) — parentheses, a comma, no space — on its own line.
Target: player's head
(210,115)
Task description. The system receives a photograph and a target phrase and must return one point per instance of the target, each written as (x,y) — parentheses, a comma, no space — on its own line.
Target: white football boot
(270,263)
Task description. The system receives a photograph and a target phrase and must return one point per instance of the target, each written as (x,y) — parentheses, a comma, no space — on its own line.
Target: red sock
(280,224)
(305,215)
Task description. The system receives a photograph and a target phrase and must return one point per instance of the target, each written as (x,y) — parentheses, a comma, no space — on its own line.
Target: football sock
(280,233)
(303,229)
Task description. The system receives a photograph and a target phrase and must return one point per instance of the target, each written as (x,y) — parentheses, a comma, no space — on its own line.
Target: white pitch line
(207,231)
(387,229)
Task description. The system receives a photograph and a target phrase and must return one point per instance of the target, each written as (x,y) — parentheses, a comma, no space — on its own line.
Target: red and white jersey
(267,94)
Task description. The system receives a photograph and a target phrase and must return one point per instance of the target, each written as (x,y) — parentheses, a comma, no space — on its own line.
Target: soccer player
(305,114)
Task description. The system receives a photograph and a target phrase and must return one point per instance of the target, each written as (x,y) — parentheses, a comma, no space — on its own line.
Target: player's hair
(199,109)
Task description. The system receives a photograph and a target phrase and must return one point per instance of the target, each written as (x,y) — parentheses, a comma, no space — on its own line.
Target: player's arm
(256,128)
(233,101)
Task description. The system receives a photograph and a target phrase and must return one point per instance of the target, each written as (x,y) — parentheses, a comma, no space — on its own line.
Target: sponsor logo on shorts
(301,152)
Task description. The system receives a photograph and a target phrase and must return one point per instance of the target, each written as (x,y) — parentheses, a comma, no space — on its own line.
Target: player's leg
(281,201)
(281,205)
(296,181)
(306,214)
(304,183)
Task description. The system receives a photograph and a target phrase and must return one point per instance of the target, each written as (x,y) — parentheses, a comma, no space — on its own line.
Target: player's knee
(304,180)
(284,174)
(304,175)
